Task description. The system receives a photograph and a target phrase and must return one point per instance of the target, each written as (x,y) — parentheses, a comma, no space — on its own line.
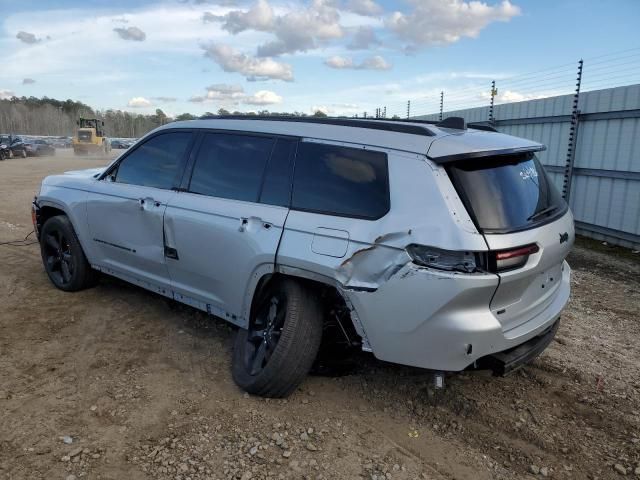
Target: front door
(125,210)
(224,230)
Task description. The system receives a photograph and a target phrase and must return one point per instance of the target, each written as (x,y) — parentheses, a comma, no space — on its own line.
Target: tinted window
(231,166)
(344,181)
(276,188)
(156,162)
(506,193)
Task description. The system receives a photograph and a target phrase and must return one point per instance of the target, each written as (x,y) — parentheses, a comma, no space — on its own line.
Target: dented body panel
(221,250)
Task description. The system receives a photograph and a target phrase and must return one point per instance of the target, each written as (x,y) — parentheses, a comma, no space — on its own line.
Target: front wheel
(275,353)
(62,256)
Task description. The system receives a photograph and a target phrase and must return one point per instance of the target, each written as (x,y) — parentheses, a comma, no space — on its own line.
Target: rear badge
(564,237)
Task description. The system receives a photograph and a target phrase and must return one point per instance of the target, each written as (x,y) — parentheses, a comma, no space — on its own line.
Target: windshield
(84,135)
(506,193)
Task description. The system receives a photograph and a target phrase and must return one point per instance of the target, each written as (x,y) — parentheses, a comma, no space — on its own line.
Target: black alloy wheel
(58,258)
(265,332)
(63,257)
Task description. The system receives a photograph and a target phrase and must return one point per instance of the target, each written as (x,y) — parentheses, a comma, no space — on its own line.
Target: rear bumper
(503,363)
(443,321)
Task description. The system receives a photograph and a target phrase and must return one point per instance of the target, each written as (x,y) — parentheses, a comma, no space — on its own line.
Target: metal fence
(587,113)
(593,153)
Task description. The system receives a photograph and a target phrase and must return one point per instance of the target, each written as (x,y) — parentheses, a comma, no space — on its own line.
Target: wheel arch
(326,287)
(48,208)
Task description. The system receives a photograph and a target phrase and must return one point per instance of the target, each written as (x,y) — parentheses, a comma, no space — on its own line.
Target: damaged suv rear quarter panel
(376,263)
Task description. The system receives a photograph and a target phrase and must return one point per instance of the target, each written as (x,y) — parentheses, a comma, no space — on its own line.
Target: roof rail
(374,124)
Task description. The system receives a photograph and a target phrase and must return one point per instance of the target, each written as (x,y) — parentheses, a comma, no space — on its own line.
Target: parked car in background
(36,148)
(61,142)
(431,245)
(120,144)
(15,145)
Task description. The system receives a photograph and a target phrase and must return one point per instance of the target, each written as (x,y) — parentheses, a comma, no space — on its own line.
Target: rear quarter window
(343,181)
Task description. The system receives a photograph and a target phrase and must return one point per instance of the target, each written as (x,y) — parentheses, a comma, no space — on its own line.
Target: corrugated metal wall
(605,187)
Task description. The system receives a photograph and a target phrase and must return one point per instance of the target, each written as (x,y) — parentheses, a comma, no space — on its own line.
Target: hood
(466,144)
(89,172)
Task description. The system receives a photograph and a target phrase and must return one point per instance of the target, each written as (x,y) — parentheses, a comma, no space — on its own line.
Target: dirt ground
(118,383)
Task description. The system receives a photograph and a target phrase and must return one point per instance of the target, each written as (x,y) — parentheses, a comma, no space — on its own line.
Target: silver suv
(433,245)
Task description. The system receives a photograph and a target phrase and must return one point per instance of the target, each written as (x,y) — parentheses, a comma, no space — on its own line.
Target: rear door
(222,232)
(125,209)
(527,227)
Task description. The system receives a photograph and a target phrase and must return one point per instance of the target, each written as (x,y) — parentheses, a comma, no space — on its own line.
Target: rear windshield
(506,193)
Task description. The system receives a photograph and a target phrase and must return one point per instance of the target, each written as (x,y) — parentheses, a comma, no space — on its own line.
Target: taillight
(449,260)
(513,258)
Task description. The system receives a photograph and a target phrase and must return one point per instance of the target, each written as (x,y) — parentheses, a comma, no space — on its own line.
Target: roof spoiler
(457,123)
(446,159)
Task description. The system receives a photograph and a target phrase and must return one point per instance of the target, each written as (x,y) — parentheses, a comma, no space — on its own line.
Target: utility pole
(494,92)
(573,137)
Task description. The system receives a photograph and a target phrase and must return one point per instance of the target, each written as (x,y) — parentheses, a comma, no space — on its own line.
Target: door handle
(147,202)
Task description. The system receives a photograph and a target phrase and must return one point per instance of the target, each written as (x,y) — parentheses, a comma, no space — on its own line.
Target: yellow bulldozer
(91,137)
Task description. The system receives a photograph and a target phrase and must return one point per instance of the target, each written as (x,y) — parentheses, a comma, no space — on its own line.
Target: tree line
(48,116)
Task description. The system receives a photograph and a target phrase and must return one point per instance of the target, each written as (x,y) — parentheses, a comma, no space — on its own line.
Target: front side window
(334,180)
(231,166)
(156,162)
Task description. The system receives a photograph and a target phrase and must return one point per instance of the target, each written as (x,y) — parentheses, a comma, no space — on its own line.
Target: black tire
(294,334)
(62,256)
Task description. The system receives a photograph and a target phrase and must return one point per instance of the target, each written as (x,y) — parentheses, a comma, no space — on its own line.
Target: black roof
(374,124)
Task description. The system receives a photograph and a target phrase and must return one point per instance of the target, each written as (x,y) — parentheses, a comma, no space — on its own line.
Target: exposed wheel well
(337,322)
(46,213)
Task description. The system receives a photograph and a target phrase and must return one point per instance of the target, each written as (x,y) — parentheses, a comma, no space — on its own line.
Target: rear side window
(342,181)
(231,166)
(156,162)
(506,193)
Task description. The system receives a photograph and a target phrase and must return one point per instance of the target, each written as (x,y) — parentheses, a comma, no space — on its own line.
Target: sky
(343,57)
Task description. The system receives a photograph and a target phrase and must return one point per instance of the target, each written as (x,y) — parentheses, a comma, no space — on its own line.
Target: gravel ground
(115,382)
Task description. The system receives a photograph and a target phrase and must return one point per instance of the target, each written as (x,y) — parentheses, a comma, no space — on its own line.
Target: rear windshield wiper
(542,212)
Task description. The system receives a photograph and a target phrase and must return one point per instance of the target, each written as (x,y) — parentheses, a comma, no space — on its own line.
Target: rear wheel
(62,256)
(273,356)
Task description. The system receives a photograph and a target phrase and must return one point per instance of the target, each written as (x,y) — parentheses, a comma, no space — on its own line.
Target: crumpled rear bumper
(442,321)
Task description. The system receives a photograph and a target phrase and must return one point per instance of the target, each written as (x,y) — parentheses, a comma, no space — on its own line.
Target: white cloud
(441,22)
(259,17)
(28,81)
(364,7)
(139,102)
(372,63)
(231,60)
(131,33)
(263,97)
(364,38)
(233,95)
(27,37)
(298,30)
(171,29)
(6,94)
